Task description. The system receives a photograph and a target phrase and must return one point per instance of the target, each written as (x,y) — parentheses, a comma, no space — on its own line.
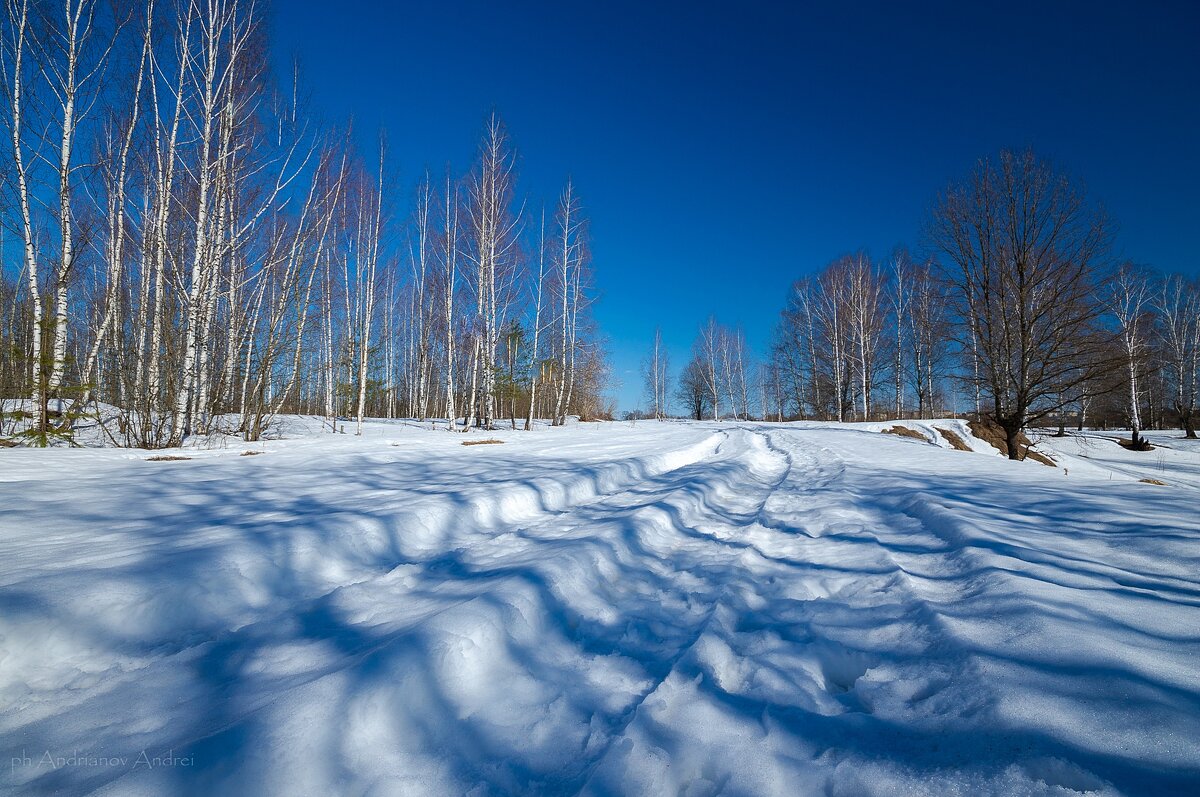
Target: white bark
(19,22)
(450,277)
(537,323)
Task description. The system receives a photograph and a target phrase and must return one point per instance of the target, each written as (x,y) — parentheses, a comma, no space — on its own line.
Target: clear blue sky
(723,150)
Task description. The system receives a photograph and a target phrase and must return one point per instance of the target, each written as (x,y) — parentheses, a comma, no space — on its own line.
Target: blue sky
(723,150)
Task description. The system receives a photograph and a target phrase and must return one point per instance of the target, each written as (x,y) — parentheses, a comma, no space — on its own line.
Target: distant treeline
(1019,310)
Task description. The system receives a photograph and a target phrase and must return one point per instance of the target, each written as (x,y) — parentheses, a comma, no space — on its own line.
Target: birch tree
(901,266)
(535,349)
(865,309)
(1178,306)
(17,76)
(707,352)
(926,333)
(193,262)
(569,256)
(494,229)
(225,31)
(834,317)
(449,274)
(74,58)
(1128,300)
(655,376)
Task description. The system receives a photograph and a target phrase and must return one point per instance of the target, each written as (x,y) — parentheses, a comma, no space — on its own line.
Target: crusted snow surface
(659,608)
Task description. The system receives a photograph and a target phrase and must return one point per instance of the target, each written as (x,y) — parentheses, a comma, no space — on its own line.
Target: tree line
(1018,313)
(187,251)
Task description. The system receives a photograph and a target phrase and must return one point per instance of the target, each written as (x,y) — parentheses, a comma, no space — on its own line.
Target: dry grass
(489,442)
(249,453)
(1153,481)
(953,439)
(1042,458)
(991,433)
(166,458)
(9,444)
(1128,445)
(904,431)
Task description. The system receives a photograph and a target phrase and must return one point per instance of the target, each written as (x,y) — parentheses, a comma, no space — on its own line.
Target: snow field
(602,609)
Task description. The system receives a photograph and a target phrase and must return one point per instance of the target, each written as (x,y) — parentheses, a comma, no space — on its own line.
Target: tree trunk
(1012,434)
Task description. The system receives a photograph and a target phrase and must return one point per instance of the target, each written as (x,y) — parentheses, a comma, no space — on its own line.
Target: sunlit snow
(659,608)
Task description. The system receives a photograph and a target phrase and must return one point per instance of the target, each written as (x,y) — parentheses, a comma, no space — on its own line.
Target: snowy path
(670,608)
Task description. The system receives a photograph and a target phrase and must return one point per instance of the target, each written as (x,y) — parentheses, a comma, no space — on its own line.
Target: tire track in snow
(818,628)
(770,467)
(667,583)
(864,519)
(640,525)
(702,627)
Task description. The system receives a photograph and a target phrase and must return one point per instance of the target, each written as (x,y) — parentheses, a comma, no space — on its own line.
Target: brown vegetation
(166,458)
(487,442)
(991,433)
(904,431)
(953,439)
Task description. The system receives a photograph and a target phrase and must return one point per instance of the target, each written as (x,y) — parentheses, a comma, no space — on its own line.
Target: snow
(650,608)
(1174,460)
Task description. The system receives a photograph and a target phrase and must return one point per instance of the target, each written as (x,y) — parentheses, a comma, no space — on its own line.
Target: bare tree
(1023,247)
(494,229)
(901,300)
(74,58)
(535,347)
(795,352)
(448,254)
(1178,306)
(865,306)
(369,232)
(707,351)
(832,310)
(17,76)
(197,259)
(569,258)
(1127,298)
(654,373)
(693,391)
(927,334)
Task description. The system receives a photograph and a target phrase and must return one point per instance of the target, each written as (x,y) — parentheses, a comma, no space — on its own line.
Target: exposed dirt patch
(993,434)
(904,431)
(166,458)
(1143,445)
(1153,481)
(491,441)
(1042,458)
(953,439)
(249,453)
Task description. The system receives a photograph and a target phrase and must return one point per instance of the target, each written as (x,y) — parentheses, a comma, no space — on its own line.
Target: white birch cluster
(184,247)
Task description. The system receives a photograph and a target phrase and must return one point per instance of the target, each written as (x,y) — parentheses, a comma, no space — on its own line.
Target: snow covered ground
(659,608)
(1175,460)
